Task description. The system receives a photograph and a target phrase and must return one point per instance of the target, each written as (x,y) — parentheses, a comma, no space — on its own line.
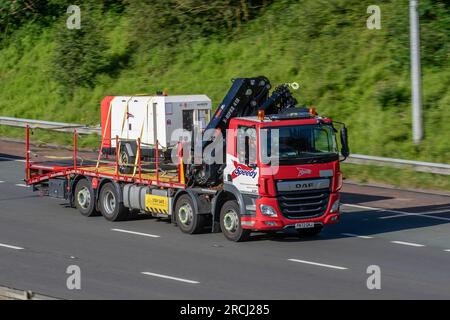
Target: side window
(322,140)
(246,145)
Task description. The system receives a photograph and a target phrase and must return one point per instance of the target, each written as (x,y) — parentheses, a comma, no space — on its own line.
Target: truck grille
(304,204)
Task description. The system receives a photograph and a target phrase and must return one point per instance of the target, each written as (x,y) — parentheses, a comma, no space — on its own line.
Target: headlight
(335,206)
(268,210)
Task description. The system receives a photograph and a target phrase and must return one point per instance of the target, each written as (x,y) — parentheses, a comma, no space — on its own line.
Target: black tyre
(126,161)
(230,222)
(84,198)
(110,206)
(187,219)
(309,232)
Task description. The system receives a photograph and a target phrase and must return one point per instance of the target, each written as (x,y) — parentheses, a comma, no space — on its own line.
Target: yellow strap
(125,116)
(182,172)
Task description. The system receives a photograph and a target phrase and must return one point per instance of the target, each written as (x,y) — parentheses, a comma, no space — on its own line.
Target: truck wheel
(230,222)
(126,161)
(309,232)
(111,208)
(187,219)
(84,198)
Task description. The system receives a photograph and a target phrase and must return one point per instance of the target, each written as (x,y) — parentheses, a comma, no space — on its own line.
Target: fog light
(247,223)
(268,211)
(335,206)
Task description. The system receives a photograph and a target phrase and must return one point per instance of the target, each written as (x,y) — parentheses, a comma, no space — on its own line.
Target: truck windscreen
(301,144)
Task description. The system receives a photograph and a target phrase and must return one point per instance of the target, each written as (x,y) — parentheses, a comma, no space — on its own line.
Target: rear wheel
(84,198)
(309,232)
(230,222)
(110,206)
(187,219)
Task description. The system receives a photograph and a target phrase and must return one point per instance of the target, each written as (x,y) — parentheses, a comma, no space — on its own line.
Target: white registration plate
(304,225)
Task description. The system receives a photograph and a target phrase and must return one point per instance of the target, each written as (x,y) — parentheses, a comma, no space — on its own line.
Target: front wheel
(187,219)
(230,222)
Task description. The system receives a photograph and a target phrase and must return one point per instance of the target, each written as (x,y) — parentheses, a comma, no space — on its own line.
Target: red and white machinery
(152,117)
(280,167)
(149,119)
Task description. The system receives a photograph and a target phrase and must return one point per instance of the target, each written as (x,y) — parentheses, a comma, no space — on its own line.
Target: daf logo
(289,186)
(304,185)
(303,171)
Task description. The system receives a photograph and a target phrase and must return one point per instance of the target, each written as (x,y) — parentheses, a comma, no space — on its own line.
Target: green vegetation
(402,178)
(347,71)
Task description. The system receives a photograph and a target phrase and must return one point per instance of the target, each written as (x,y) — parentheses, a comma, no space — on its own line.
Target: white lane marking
(426,214)
(169,277)
(371,208)
(11,159)
(448,250)
(398,213)
(22,185)
(318,264)
(2,181)
(356,236)
(423,215)
(136,233)
(10,246)
(436,211)
(408,244)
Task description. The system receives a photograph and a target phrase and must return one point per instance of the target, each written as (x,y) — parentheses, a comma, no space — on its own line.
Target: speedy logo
(243,170)
(303,171)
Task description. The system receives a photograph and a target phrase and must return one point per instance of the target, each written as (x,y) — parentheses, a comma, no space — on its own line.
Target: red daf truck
(280,165)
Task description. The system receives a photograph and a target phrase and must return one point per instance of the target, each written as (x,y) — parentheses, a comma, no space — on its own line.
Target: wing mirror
(345,151)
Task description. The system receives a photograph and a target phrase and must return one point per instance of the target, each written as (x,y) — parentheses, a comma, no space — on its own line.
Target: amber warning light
(261,115)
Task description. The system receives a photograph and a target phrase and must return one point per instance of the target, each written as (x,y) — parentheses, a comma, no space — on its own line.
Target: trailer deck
(38,172)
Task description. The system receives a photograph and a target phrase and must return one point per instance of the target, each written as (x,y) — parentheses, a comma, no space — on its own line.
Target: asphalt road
(406,234)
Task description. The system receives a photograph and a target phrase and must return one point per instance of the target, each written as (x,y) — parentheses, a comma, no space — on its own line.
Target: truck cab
(285,169)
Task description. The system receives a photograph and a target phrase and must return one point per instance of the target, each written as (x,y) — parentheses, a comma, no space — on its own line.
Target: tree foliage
(167,22)
(79,55)
(13,13)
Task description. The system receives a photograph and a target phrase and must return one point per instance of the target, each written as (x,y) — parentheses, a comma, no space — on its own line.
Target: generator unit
(151,118)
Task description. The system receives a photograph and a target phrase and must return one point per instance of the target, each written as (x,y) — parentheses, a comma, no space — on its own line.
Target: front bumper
(260,222)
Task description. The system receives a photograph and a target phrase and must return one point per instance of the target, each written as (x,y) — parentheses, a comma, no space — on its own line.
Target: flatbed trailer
(38,172)
(59,179)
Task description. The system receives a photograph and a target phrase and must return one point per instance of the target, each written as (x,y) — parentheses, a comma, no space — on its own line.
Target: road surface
(406,234)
